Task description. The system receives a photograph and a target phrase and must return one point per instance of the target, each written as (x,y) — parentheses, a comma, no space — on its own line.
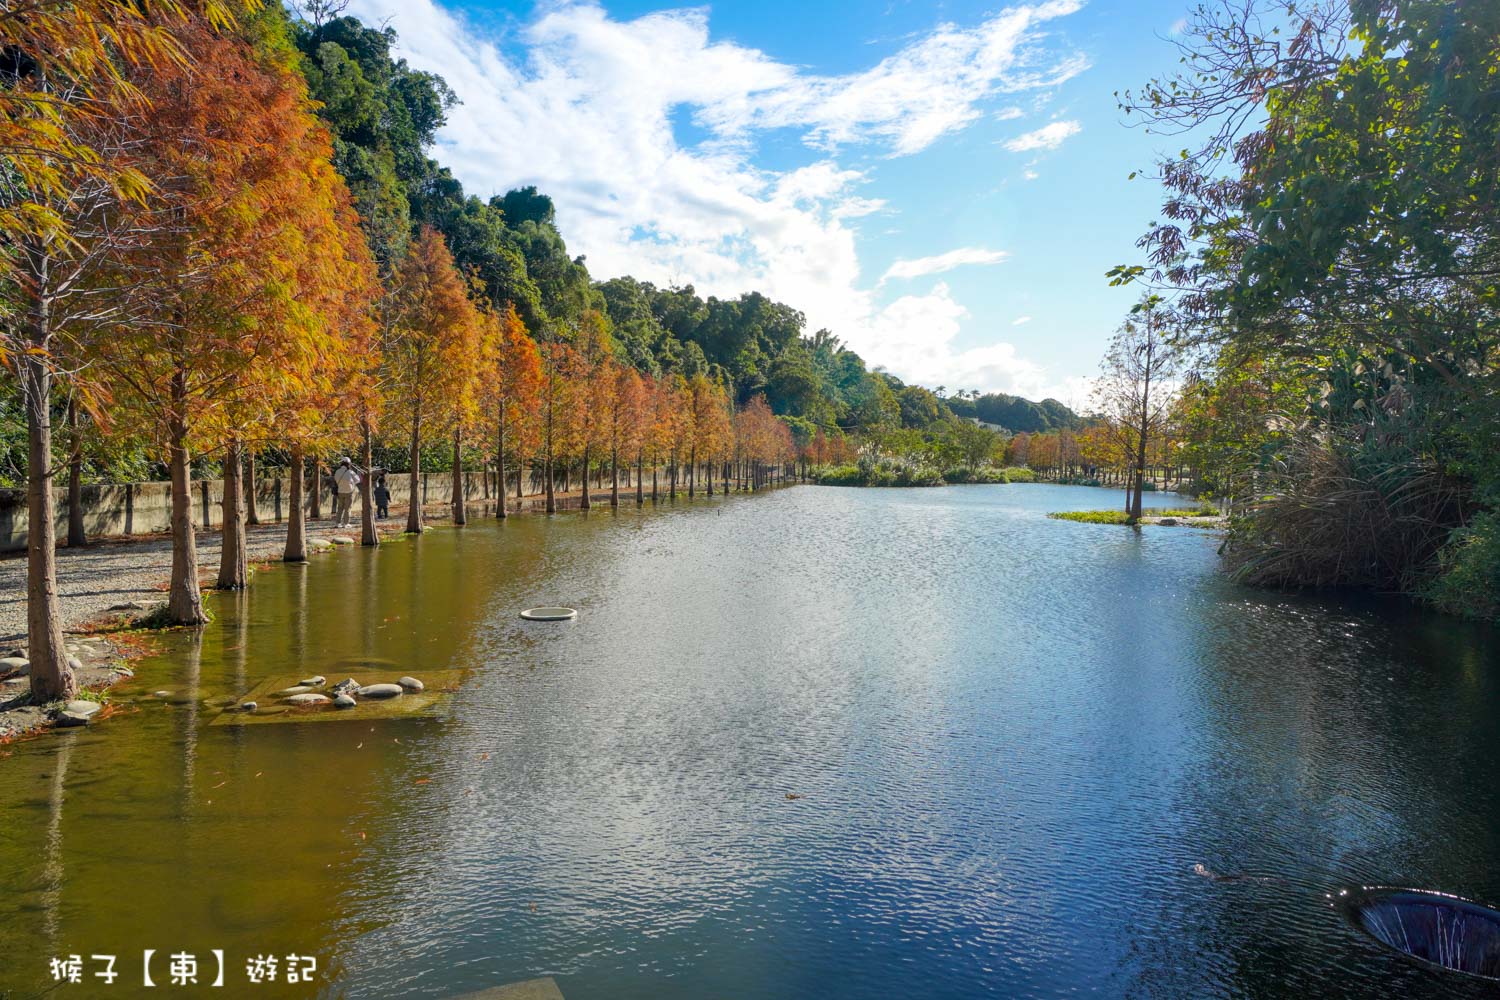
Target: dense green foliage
(1014,413)
(1335,270)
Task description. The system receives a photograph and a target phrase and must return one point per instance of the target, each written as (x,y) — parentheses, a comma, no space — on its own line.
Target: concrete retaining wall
(146,508)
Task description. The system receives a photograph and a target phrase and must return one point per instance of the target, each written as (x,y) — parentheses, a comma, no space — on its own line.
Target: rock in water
(346,686)
(380,690)
(412,684)
(315,681)
(344,701)
(1168,522)
(249,706)
(299,689)
(308,698)
(78,713)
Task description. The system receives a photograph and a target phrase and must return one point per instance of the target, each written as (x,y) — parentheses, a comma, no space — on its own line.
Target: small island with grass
(1205,515)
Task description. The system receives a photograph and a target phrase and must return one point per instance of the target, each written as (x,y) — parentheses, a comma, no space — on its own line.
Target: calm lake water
(1012,739)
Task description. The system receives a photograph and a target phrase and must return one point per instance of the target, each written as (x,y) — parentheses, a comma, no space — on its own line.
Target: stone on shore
(15,665)
(344,701)
(319,544)
(308,698)
(78,713)
(380,690)
(74,663)
(341,540)
(1168,522)
(411,684)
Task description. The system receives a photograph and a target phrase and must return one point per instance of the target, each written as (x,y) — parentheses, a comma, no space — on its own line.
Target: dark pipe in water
(1431,927)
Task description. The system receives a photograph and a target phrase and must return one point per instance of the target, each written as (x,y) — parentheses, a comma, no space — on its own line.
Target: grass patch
(1092,516)
(160,618)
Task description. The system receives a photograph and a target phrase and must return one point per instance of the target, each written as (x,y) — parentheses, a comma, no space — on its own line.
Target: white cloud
(1047,137)
(591,110)
(943,262)
(1020,321)
(916,333)
(1030,175)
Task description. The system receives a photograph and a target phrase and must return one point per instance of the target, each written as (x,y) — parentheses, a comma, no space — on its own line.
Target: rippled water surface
(1010,740)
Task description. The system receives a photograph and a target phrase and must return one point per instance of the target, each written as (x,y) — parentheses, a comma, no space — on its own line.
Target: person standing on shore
(382,499)
(345,481)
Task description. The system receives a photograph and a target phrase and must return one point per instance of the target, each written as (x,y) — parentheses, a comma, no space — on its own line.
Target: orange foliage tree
(429,350)
(247,219)
(67,112)
(511,393)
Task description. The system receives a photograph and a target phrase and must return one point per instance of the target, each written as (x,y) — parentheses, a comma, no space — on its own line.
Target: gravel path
(93,579)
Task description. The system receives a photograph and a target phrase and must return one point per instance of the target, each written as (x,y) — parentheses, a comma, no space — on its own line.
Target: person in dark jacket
(382,498)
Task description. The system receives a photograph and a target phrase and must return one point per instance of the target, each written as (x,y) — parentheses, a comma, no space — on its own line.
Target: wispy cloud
(590,108)
(1047,137)
(943,262)
(1020,321)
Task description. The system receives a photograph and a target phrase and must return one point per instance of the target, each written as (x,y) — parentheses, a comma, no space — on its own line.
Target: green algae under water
(832,743)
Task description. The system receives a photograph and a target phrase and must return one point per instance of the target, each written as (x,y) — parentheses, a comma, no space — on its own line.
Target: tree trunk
(51,677)
(234,573)
(640,497)
(315,512)
(500,469)
(614,473)
(367,535)
(414,488)
(296,521)
(547,472)
(655,466)
(252,516)
(460,509)
(184,602)
(692,471)
(583,503)
(76,534)
(672,477)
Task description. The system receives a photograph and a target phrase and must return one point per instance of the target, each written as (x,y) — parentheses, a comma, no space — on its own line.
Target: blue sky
(942,185)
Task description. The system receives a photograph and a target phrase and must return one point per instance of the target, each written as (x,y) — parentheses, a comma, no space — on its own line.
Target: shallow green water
(1011,738)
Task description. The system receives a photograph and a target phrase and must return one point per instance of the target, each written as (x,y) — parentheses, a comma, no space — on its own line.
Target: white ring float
(549,614)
